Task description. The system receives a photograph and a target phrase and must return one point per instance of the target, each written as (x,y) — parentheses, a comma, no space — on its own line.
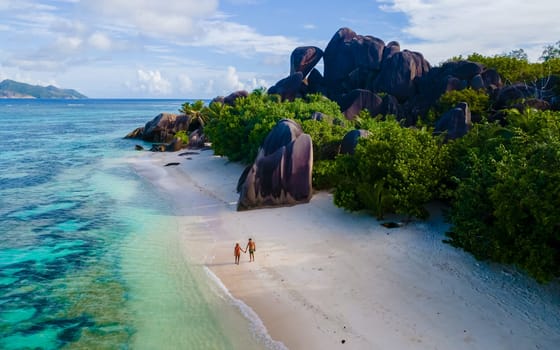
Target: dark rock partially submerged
(281,173)
(162,128)
(175,145)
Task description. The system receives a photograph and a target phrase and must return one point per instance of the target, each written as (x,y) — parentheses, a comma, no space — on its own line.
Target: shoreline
(327,279)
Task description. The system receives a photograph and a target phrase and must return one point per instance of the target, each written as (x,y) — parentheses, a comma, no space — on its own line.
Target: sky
(207,48)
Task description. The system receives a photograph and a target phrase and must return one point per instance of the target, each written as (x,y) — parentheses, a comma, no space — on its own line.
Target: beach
(325,278)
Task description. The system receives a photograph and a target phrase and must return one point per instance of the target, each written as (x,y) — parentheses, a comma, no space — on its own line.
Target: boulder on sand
(281,173)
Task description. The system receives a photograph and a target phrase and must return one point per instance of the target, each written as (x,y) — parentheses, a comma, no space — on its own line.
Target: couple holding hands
(251,246)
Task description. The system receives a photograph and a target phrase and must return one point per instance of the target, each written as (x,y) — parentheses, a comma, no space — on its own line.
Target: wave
(257,327)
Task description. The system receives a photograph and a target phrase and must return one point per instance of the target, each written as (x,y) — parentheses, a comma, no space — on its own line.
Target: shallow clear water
(88,250)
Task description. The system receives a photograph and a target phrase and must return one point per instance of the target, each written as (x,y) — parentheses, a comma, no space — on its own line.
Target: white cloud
(256,83)
(23,5)
(444,28)
(241,39)
(157,48)
(185,83)
(66,44)
(309,26)
(63,25)
(277,60)
(100,41)
(244,2)
(26,78)
(35,64)
(232,80)
(209,88)
(156,18)
(152,82)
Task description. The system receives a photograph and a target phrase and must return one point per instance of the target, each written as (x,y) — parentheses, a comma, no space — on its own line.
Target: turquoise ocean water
(88,250)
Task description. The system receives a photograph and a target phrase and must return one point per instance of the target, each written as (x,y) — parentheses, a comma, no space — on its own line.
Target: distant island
(14,89)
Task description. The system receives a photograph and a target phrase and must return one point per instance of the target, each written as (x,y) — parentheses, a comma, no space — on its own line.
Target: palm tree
(195,111)
(260,91)
(214,111)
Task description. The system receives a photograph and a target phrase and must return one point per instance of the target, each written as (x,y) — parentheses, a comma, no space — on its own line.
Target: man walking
(252,247)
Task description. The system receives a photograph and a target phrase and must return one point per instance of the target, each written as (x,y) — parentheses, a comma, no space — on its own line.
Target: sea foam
(257,327)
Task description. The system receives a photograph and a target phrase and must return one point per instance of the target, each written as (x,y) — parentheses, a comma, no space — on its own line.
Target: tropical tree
(394,170)
(519,54)
(260,91)
(196,111)
(550,52)
(506,204)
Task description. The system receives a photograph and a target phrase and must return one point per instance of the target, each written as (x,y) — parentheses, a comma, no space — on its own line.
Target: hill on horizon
(13,89)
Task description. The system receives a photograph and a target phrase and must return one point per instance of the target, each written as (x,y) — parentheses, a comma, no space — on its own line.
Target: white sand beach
(325,278)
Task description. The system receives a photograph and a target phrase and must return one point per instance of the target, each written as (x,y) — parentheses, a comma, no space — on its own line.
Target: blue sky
(205,48)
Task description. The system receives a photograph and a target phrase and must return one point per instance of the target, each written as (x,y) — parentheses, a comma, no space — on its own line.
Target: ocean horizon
(88,249)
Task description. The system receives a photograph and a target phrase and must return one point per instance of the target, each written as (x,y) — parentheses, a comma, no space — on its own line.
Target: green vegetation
(507,203)
(237,131)
(394,170)
(195,110)
(182,134)
(405,165)
(501,182)
(551,52)
(478,101)
(513,69)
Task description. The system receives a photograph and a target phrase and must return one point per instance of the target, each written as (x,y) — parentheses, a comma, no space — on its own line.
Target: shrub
(513,70)
(326,137)
(478,101)
(507,203)
(324,174)
(237,131)
(182,134)
(396,170)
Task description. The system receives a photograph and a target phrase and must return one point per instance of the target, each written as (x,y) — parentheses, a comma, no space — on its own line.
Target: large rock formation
(400,74)
(162,128)
(162,131)
(357,100)
(360,68)
(231,98)
(338,59)
(353,64)
(175,145)
(289,88)
(303,59)
(281,173)
(351,61)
